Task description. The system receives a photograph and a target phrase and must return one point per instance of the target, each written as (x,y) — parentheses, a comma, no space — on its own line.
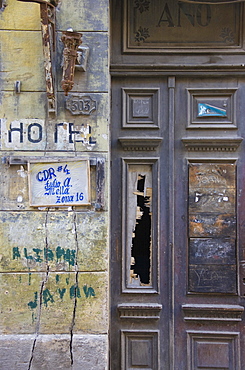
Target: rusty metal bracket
(47,12)
(71,41)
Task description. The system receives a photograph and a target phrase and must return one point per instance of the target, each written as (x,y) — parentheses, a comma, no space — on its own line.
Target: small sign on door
(61,183)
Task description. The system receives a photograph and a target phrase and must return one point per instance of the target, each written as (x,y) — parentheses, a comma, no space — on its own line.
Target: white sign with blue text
(61,183)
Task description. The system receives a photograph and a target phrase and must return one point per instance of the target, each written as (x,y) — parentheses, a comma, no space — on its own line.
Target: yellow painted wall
(53,260)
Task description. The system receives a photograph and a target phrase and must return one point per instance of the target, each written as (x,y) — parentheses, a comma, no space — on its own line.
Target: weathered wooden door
(178,186)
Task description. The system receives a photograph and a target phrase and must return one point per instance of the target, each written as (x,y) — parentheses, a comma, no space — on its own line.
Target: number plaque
(80,104)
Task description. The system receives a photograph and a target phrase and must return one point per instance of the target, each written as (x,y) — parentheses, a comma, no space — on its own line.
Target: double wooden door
(177,242)
(177,185)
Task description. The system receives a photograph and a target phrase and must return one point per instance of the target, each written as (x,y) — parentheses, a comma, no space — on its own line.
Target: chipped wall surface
(53,260)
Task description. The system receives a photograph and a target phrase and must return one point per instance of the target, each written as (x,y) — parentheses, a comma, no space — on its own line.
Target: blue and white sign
(207,110)
(59,183)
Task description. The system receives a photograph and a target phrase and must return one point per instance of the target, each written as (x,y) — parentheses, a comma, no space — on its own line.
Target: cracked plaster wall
(53,261)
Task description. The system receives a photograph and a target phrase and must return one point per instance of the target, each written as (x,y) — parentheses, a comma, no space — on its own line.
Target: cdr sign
(59,183)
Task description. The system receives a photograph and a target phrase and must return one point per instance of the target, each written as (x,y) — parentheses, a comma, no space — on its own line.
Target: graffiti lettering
(41,255)
(88,291)
(75,291)
(48,297)
(16,253)
(33,304)
(61,292)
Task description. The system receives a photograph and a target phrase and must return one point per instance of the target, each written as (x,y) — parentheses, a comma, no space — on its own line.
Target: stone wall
(53,259)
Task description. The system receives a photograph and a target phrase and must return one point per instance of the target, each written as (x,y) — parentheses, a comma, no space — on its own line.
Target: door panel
(140,208)
(210,308)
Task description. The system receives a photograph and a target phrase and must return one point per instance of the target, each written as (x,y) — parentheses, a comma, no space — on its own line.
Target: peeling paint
(22,172)
(19,199)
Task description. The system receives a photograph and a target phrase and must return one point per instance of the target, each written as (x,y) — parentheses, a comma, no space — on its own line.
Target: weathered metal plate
(172,24)
(212,279)
(212,175)
(215,199)
(212,251)
(211,225)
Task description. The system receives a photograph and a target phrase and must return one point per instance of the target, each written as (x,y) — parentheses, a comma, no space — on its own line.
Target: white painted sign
(63,183)
(31,134)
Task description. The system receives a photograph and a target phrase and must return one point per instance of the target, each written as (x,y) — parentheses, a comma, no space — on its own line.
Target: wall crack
(44,281)
(76,285)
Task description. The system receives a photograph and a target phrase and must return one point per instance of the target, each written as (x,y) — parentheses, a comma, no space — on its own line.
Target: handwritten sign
(59,183)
